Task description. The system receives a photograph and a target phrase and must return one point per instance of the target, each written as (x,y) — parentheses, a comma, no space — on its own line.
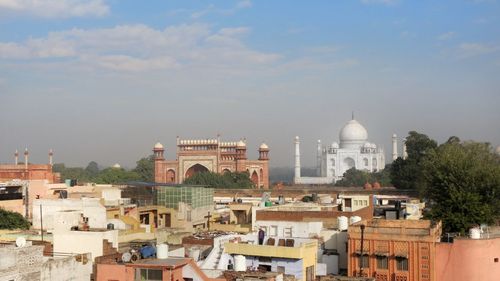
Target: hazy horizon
(105,80)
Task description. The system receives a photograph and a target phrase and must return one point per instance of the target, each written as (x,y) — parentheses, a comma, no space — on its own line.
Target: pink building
(170,269)
(468,259)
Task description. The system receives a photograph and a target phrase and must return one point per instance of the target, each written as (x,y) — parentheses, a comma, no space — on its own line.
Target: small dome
(367,145)
(497,150)
(158,146)
(241,144)
(335,144)
(264,146)
(117,166)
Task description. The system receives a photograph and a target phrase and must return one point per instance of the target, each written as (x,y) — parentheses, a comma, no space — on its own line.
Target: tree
(92,170)
(353,177)
(463,185)
(226,180)
(116,176)
(407,173)
(12,220)
(146,168)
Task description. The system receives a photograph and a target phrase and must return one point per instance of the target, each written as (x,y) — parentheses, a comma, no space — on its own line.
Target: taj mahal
(352,151)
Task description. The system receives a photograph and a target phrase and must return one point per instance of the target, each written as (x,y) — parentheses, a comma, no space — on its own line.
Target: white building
(353,151)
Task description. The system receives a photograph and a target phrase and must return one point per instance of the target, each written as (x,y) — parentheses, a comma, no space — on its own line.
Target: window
(364,260)
(145,274)
(382,262)
(273,230)
(287,232)
(366,162)
(402,264)
(355,202)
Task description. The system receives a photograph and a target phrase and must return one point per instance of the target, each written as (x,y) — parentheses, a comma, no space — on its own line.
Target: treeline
(144,171)
(225,180)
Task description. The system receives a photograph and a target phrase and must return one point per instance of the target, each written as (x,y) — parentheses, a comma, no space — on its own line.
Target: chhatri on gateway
(353,151)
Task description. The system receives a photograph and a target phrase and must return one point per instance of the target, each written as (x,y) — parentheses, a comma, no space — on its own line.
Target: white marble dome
(241,144)
(353,134)
(335,144)
(158,146)
(264,146)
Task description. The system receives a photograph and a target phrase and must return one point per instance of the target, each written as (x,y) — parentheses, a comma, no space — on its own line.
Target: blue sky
(104,80)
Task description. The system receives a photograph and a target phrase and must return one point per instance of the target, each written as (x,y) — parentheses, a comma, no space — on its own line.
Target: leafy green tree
(226,180)
(353,178)
(116,176)
(92,170)
(146,168)
(407,173)
(463,185)
(12,220)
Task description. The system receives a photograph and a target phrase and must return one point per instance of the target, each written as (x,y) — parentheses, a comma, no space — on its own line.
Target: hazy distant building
(211,155)
(353,151)
(27,171)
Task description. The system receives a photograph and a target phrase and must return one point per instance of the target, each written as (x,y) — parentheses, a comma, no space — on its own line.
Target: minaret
(51,155)
(297,160)
(26,154)
(16,157)
(405,154)
(394,147)
(318,164)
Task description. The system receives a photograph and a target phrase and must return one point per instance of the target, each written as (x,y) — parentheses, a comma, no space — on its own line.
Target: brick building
(195,156)
(27,171)
(393,250)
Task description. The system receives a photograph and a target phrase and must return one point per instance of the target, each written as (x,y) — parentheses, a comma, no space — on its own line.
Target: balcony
(250,248)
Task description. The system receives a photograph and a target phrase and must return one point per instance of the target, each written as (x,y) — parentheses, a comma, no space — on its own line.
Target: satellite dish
(126,257)
(20,242)
(135,257)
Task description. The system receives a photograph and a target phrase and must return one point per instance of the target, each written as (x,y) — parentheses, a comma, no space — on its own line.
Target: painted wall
(336,240)
(84,241)
(90,207)
(468,259)
(299,229)
(67,269)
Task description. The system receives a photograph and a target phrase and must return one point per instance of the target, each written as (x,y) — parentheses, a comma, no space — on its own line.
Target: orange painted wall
(468,259)
(107,272)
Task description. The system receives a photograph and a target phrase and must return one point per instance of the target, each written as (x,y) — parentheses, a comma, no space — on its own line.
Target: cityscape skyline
(104,81)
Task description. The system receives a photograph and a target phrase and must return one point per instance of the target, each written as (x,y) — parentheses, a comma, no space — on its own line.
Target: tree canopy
(354,177)
(225,180)
(12,220)
(145,169)
(407,173)
(462,184)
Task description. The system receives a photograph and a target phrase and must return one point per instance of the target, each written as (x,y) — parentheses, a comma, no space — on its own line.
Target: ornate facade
(27,171)
(211,155)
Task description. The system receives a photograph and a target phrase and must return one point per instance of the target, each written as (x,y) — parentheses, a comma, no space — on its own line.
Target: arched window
(197,168)
(365,160)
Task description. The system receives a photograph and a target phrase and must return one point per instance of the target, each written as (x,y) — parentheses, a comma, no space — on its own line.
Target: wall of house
(90,207)
(336,240)
(16,205)
(106,272)
(72,268)
(298,229)
(21,263)
(468,259)
(84,241)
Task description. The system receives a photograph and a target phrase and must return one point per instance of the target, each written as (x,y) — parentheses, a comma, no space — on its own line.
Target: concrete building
(194,156)
(168,269)
(27,171)
(353,151)
(393,249)
(28,263)
(295,256)
(12,197)
(470,258)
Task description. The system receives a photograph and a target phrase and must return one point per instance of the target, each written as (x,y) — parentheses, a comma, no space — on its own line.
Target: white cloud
(466,50)
(141,48)
(244,4)
(447,36)
(56,8)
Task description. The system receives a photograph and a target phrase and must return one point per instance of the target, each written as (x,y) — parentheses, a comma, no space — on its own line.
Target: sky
(104,80)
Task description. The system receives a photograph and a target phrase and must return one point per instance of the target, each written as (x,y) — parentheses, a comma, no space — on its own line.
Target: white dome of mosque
(241,144)
(117,166)
(335,144)
(353,133)
(158,145)
(264,146)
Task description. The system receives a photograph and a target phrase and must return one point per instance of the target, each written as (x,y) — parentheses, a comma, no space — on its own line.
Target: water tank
(194,253)
(342,223)
(268,204)
(475,233)
(354,219)
(162,251)
(240,263)
(20,242)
